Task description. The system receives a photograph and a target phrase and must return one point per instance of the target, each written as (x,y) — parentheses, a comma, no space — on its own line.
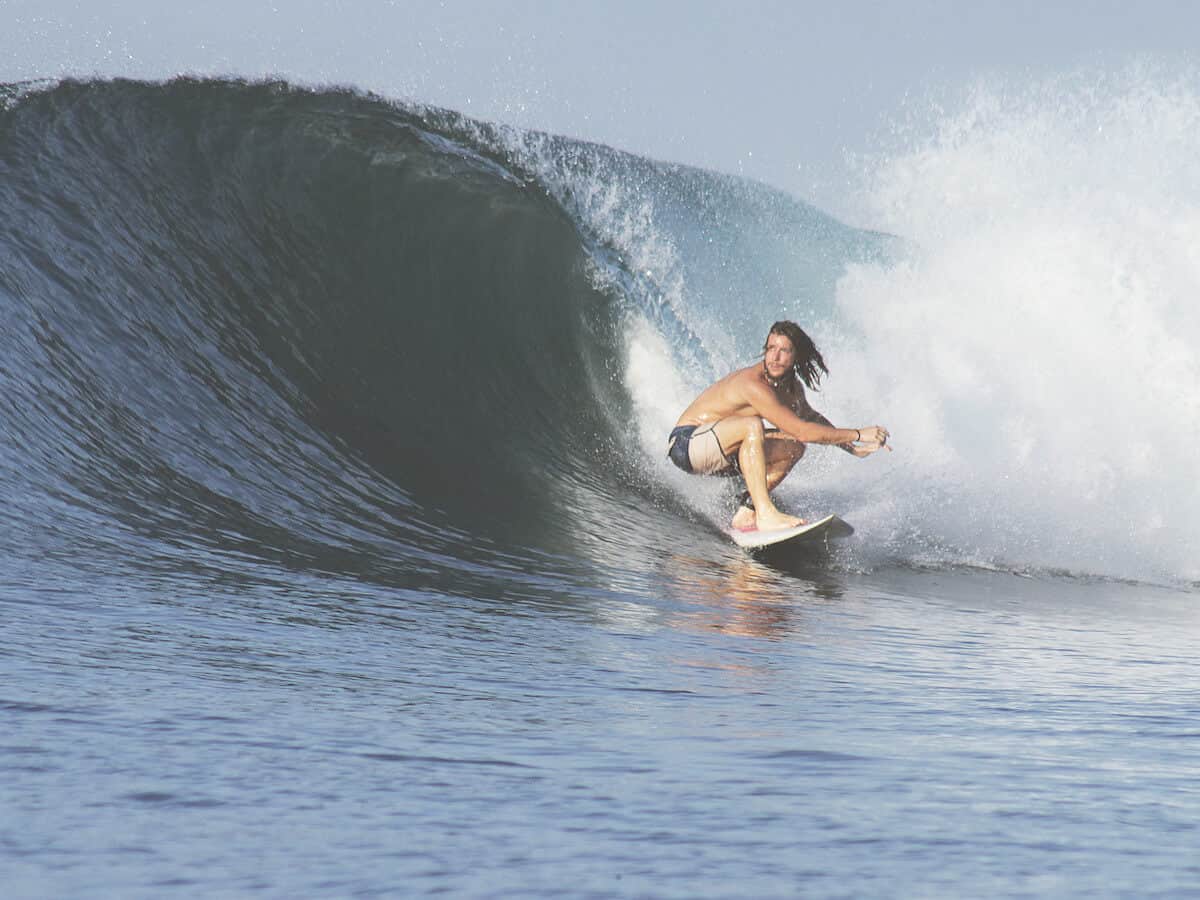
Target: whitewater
(343,557)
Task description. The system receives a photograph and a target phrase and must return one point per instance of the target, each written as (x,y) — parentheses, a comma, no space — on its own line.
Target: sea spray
(1035,352)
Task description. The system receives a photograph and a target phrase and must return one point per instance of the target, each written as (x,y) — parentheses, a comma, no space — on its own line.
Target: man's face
(779,357)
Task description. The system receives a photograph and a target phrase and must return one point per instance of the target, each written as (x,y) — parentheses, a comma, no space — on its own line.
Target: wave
(251,321)
(257,317)
(309,325)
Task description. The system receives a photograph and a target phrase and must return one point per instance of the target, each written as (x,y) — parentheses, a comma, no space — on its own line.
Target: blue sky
(778,91)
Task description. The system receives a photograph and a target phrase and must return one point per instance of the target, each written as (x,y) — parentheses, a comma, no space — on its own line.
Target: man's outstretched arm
(805,411)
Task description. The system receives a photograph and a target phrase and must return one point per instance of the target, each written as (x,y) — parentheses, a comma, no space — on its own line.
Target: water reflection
(745,595)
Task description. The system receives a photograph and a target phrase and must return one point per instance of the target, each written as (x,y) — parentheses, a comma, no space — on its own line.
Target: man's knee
(752,431)
(787,448)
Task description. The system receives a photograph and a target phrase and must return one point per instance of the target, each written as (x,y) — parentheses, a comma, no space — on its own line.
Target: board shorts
(697,450)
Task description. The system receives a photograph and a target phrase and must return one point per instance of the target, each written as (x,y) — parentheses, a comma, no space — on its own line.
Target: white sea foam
(1035,355)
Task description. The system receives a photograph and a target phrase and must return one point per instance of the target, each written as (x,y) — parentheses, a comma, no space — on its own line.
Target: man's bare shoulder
(748,381)
(738,393)
(738,386)
(747,390)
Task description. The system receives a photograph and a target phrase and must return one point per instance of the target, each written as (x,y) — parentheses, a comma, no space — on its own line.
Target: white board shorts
(704,453)
(707,455)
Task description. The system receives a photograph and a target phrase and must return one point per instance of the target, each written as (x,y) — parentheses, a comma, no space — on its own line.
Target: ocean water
(342,557)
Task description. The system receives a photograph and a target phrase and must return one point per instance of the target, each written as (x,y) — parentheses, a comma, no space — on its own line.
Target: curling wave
(314,328)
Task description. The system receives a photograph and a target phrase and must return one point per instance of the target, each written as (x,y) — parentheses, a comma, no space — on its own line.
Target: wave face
(284,322)
(255,323)
(311,327)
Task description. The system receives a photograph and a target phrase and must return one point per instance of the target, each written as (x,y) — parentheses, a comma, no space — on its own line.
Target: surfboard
(821,531)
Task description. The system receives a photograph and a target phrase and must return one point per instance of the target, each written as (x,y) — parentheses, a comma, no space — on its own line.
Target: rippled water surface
(741,731)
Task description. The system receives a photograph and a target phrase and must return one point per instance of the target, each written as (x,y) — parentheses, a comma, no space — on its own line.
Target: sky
(784,92)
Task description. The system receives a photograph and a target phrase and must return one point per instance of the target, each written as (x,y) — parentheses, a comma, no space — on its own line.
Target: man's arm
(764,402)
(805,411)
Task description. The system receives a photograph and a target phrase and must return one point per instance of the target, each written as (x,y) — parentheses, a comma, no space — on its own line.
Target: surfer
(756,421)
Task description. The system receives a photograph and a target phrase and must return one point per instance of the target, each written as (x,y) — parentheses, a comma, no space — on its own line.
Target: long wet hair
(809,366)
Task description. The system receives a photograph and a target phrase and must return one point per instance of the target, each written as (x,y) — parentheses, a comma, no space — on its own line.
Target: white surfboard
(820,531)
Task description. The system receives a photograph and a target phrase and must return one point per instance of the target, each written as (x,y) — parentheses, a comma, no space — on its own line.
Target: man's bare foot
(777,521)
(743,519)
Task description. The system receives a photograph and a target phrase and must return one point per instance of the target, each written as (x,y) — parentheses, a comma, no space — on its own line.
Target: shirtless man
(722,432)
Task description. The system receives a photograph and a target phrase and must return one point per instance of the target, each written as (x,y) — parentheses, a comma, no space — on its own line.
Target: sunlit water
(739,731)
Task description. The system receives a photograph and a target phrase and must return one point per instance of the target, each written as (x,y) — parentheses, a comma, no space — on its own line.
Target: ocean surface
(341,556)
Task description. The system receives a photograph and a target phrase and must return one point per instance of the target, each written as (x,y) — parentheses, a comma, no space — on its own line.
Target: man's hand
(874,437)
